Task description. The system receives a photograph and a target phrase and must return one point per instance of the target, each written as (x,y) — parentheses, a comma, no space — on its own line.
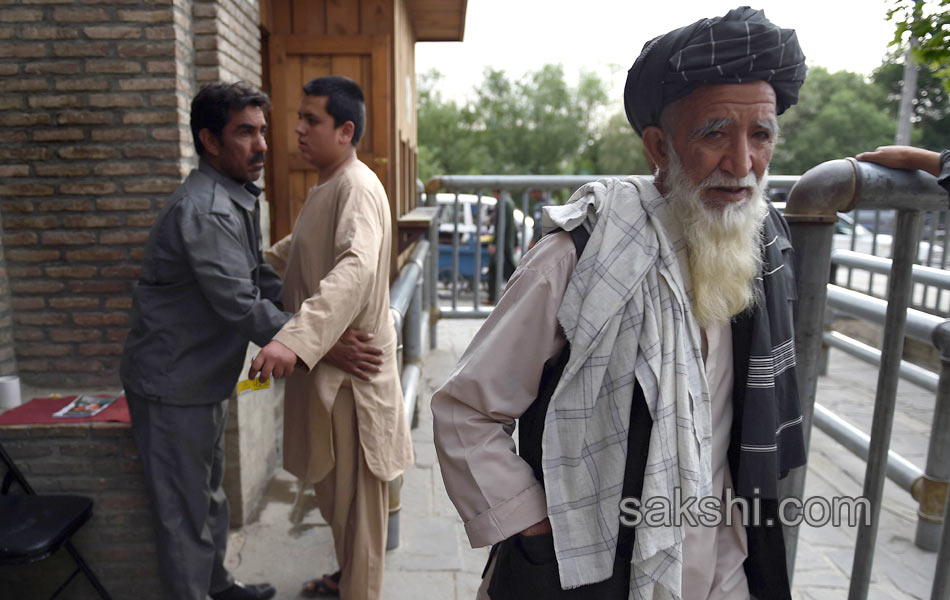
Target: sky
(605,36)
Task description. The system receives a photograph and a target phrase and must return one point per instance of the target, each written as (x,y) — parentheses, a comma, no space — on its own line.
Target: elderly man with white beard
(645,348)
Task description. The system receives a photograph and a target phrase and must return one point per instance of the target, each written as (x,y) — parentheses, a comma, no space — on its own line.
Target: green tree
(838,114)
(618,149)
(929,24)
(536,125)
(931,127)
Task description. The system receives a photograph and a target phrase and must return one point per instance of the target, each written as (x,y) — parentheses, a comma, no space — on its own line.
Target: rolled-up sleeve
(217,252)
(494,383)
(944,177)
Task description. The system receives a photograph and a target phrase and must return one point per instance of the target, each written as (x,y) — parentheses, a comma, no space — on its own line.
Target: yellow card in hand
(252,385)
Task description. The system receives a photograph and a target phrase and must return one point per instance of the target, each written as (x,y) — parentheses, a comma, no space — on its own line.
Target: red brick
(152,151)
(24,119)
(150,117)
(20,15)
(100,349)
(20,238)
(121,271)
(7,33)
(165,100)
(63,134)
(151,186)
(33,365)
(113,66)
(43,350)
(29,335)
(145,220)
(55,101)
(82,84)
(97,188)
(160,32)
(68,238)
(33,32)
(84,221)
(81,49)
(123,237)
(10,102)
(86,117)
(7,69)
(66,204)
(30,222)
(100,319)
(7,135)
(147,83)
(20,50)
(74,302)
(145,16)
(113,32)
(14,170)
(23,84)
(118,335)
(99,287)
(116,100)
(170,134)
(86,152)
(61,170)
(29,303)
(20,255)
(26,189)
(145,49)
(22,272)
(71,272)
(176,170)
(75,335)
(117,203)
(37,287)
(18,206)
(137,253)
(58,67)
(124,134)
(83,15)
(94,255)
(122,303)
(75,364)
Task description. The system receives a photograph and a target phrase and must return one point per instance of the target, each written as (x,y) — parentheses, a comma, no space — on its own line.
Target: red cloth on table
(39,411)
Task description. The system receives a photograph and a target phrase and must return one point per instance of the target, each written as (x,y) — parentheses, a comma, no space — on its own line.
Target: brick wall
(93,137)
(99,461)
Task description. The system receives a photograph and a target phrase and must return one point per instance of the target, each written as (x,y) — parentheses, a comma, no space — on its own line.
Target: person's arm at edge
(904,157)
(277,254)
(495,381)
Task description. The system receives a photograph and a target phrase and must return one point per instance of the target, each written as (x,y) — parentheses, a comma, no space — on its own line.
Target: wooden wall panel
(280,19)
(343,17)
(309,17)
(376,17)
(292,92)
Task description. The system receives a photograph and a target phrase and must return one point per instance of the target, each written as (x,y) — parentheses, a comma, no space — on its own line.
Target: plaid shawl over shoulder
(627,315)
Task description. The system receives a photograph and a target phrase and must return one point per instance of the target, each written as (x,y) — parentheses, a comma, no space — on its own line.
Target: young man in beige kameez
(348,435)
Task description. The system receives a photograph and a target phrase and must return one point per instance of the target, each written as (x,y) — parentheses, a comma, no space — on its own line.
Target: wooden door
(295,59)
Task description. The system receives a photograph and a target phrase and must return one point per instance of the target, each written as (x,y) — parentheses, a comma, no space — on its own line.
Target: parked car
(866,242)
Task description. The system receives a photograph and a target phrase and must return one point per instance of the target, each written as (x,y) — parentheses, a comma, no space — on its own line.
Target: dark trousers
(182,452)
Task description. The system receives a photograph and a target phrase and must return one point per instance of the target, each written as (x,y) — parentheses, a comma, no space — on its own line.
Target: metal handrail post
(899,288)
(811,213)
(433,278)
(930,518)
(501,210)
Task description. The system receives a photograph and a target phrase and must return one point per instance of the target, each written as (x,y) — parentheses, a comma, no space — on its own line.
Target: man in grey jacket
(204,291)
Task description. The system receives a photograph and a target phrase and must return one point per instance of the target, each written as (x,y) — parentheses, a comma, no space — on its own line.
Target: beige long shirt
(497,379)
(336,275)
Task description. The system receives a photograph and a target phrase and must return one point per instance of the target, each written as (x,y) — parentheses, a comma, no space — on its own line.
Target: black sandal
(316,588)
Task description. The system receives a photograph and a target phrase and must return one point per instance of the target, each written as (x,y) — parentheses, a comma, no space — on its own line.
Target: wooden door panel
(296,59)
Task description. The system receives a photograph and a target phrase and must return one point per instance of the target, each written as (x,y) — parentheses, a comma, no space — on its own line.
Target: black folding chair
(33,526)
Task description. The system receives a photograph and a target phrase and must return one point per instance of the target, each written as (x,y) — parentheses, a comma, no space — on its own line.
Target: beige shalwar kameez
(336,275)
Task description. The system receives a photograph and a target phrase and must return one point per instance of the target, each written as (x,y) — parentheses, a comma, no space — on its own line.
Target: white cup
(9,391)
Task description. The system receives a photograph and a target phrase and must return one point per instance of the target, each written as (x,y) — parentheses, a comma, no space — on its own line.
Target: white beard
(723,243)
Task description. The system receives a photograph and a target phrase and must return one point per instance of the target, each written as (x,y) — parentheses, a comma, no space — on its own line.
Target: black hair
(344,101)
(211,108)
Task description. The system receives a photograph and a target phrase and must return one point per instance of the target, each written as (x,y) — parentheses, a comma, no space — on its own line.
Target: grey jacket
(204,291)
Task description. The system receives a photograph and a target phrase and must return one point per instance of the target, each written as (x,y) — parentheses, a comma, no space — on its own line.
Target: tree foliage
(838,114)
(928,23)
(931,125)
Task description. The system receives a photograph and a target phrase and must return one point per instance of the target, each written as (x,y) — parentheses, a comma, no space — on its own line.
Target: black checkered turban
(739,47)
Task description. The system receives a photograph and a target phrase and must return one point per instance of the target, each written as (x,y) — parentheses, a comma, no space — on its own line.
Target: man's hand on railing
(904,157)
(354,354)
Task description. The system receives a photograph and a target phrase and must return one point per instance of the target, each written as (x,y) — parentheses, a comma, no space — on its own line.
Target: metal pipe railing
(814,201)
